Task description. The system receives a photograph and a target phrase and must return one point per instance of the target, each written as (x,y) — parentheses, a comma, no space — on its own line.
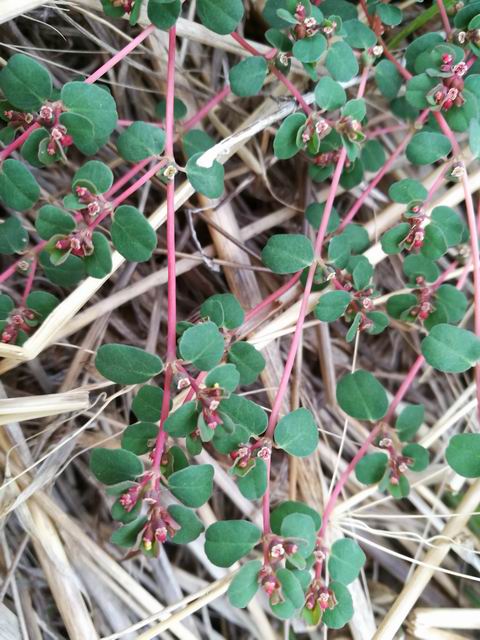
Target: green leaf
(123,364)
(141,140)
(297,434)
(450,224)
(18,188)
(463,454)
(388,79)
(31,146)
(82,131)
(407,190)
(397,306)
(285,509)
(419,265)
(111,466)
(418,454)
(291,588)
(309,49)
(206,180)
(42,303)
(190,525)
(25,83)
(7,305)
(96,176)
(389,14)
(68,274)
(51,220)
(409,421)
(182,421)
(358,35)
(226,376)
(314,214)
(202,345)
(285,143)
(451,349)
(287,253)
(99,263)
(224,310)
(329,95)
(193,486)
(247,77)
(453,301)
(147,404)
(164,13)
(362,271)
(341,61)
(249,362)
(242,418)
(301,529)
(139,437)
(474,137)
(342,613)
(244,585)
(127,536)
(373,155)
(392,240)
(361,396)
(196,141)
(345,561)
(356,109)
(332,305)
(254,483)
(179,109)
(94,104)
(371,468)
(132,235)
(435,244)
(427,147)
(120,514)
(229,540)
(221,16)
(418,90)
(13,237)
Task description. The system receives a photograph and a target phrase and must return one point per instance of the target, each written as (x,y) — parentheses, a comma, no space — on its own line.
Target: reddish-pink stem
(211,104)
(266,302)
(444,16)
(29,282)
(374,133)
(127,177)
(171,263)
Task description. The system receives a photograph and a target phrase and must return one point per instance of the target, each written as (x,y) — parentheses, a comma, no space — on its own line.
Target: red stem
(211,104)
(29,282)
(444,16)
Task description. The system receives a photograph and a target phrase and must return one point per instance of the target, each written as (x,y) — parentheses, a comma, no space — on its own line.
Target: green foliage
(190,526)
(409,421)
(96,176)
(427,147)
(244,585)
(18,188)
(361,396)
(147,403)
(287,253)
(193,485)
(25,83)
(164,13)
(139,437)
(253,484)
(224,310)
(132,235)
(229,540)
(221,16)
(127,365)
(371,468)
(296,433)
(346,560)
(451,349)
(285,143)
(206,180)
(141,140)
(13,237)
(248,361)
(341,61)
(202,345)
(247,77)
(111,466)
(463,454)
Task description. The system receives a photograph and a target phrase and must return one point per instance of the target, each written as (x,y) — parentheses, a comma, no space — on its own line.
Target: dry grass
(61,577)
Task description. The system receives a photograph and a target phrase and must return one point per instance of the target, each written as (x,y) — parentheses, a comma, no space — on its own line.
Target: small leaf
(419,265)
(138,437)
(132,235)
(345,561)
(7,305)
(309,49)
(371,468)
(341,61)
(297,434)
(247,77)
(358,35)
(285,143)
(285,509)
(287,253)
(42,303)
(141,140)
(329,95)
(342,613)
(127,365)
(254,483)
(409,421)
(111,466)
(193,486)
(164,13)
(224,310)
(190,526)
(244,584)
(418,454)
(18,188)
(127,536)
(96,176)
(25,83)
(314,214)
(51,220)
(291,588)
(179,109)
(361,396)
(221,16)
(182,421)
(451,349)
(393,239)
(226,376)
(463,454)
(248,361)
(387,78)
(147,404)
(206,180)
(202,345)
(300,528)
(99,263)
(229,540)
(196,141)
(13,237)
(332,305)
(426,147)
